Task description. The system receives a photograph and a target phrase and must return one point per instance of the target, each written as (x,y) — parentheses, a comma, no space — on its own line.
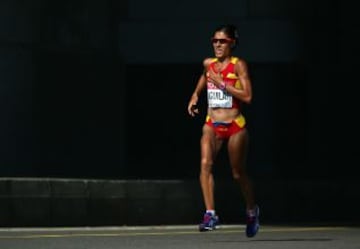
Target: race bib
(219,98)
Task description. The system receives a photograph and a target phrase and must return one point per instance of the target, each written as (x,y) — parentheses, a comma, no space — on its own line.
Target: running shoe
(209,223)
(252,223)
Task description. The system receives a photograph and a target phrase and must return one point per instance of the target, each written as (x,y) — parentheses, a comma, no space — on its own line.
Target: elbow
(247,100)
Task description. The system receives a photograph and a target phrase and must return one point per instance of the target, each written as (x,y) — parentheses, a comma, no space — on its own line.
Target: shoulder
(238,61)
(240,64)
(208,61)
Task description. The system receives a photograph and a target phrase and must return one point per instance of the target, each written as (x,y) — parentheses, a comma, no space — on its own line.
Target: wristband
(222,86)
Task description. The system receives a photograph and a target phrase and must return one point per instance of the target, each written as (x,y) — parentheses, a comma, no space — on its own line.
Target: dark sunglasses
(222,41)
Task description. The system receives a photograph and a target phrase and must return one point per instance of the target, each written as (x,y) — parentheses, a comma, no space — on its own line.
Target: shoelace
(207,218)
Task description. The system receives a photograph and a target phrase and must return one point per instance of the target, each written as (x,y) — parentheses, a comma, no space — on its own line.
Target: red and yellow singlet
(220,98)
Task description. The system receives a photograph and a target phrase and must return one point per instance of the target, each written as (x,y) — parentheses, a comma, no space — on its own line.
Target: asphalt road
(182,237)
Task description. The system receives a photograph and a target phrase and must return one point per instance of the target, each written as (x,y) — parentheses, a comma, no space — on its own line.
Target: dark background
(99,89)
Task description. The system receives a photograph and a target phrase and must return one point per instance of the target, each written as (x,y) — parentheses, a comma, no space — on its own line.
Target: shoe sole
(205,229)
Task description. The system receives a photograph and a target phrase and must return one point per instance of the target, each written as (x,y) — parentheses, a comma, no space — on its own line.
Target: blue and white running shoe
(210,222)
(252,222)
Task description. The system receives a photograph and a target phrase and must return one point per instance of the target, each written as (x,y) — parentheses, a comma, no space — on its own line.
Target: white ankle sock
(211,211)
(251,212)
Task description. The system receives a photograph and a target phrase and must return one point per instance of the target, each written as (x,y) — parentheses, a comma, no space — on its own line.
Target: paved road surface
(180,237)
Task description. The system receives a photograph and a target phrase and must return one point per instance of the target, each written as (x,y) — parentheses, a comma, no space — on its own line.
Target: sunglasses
(222,40)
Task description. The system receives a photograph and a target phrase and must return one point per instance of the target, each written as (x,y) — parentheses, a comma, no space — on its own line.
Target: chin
(218,55)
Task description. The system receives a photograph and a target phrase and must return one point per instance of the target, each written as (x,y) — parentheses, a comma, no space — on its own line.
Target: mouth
(219,50)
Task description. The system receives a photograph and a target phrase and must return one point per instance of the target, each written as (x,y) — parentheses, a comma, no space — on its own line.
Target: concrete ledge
(31,202)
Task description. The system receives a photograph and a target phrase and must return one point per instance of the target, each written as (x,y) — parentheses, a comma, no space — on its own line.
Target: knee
(206,165)
(239,175)
(236,176)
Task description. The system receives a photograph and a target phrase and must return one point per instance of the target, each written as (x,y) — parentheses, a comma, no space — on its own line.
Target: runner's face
(221,44)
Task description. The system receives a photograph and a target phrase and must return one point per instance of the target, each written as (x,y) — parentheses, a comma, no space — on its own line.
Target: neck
(223,59)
